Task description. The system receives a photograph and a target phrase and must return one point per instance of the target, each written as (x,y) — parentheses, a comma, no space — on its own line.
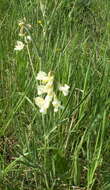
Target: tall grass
(68,149)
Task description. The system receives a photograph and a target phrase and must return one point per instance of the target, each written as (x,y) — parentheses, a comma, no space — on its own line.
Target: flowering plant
(46,88)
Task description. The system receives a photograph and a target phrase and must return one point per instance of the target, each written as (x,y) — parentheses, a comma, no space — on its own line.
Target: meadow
(64,143)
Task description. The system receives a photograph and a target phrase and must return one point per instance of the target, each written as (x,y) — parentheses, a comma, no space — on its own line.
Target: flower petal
(56,104)
(19,46)
(41,76)
(39,101)
(64,89)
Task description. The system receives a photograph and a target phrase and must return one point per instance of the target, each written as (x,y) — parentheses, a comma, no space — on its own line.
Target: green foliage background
(69,149)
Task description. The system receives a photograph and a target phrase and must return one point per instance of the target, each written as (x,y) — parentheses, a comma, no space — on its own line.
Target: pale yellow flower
(41,75)
(47,88)
(41,89)
(39,101)
(19,46)
(64,89)
(45,78)
(43,104)
(48,100)
(56,104)
(49,80)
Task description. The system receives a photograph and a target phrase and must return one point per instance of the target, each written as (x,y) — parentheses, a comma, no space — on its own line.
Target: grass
(69,149)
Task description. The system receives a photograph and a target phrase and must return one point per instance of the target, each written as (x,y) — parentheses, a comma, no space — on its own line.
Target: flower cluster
(23,28)
(46,92)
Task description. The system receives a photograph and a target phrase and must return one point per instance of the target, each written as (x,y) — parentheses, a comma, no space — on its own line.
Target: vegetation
(68,149)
